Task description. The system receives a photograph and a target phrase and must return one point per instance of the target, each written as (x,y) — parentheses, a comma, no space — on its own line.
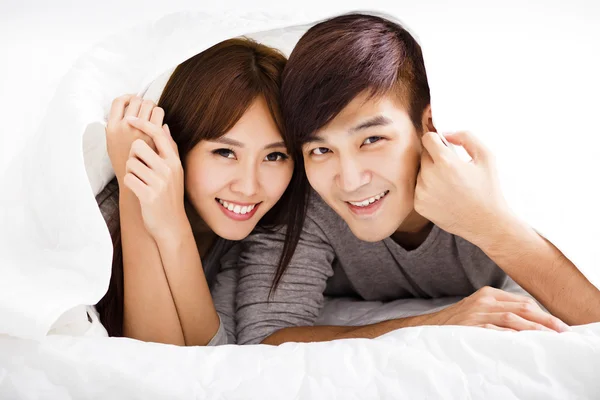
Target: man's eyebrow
(379,120)
(232,142)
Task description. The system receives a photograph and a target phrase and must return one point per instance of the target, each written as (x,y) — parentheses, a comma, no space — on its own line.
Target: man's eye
(227,153)
(372,139)
(320,151)
(276,156)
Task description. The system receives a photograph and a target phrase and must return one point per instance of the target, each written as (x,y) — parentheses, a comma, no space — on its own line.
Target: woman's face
(234,180)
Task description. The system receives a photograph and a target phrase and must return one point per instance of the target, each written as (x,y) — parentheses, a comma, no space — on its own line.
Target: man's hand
(496,309)
(463,198)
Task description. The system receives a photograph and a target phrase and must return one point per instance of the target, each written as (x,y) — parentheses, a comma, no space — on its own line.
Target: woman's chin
(234,231)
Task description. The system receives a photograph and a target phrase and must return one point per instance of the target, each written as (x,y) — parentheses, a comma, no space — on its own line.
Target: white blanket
(55,250)
(414,363)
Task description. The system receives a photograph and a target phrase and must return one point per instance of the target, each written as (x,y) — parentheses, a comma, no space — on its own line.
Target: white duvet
(55,250)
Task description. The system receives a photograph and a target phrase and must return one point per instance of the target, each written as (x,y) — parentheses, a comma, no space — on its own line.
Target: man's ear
(427,120)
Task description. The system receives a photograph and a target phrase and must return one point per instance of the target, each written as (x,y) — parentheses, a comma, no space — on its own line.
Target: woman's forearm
(191,294)
(149,312)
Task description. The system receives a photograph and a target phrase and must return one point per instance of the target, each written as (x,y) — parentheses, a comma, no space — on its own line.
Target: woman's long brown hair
(203,99)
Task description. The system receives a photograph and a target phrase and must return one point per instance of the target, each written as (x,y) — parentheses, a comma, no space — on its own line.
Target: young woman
(194,173)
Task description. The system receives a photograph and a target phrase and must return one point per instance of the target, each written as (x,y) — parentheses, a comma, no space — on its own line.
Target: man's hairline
(374,96)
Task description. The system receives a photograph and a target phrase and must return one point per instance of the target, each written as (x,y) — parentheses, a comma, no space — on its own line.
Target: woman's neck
(203,235)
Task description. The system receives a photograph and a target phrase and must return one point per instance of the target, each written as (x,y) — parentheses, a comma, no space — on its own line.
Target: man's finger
(503,295)
(516,322)
(473,146)
(533,314)
(435,147)
(496,328)
(426,159)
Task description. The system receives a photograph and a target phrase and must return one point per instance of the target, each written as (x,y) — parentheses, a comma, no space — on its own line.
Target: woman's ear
(427,121)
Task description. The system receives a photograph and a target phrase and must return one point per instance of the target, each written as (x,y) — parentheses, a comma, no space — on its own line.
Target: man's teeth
(368,201)
(236,208)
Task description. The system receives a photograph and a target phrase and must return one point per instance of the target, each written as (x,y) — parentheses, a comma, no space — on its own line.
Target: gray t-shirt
(221,257)
(331,261)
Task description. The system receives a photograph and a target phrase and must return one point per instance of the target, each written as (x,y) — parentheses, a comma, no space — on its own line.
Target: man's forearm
(541,269)
(306,334)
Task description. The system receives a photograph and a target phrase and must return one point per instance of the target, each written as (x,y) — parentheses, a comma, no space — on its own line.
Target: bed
(55,250)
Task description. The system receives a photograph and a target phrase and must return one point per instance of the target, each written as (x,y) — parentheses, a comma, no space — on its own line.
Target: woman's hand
(120,135)
(156,178)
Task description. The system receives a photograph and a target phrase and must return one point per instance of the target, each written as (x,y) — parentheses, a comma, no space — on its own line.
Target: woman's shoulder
(108,200)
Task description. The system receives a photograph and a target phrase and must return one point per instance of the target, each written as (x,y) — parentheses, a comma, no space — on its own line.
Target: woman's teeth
(236,208)
(370,200)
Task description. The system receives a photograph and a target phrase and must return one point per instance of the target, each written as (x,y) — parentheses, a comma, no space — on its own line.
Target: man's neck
(413,231)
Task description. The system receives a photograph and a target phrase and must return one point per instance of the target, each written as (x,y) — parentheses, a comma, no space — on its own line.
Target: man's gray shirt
(331,261)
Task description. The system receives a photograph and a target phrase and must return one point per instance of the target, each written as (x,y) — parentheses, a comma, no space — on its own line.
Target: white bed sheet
(413,363)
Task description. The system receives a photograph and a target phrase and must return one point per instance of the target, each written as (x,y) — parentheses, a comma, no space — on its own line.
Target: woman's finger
(158,114)
(133,108)
(171,140)
(141,171)
(117,108)
(162,142)
(146,110)
(144,153)
(136,185)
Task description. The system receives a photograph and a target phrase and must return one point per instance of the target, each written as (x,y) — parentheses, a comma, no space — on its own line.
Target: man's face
(364,165)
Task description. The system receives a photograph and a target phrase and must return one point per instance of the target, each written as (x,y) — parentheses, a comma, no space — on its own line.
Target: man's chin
(371,233)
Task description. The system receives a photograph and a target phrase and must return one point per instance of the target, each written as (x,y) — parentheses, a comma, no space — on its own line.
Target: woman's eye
(277,156)
(372,139)
(227,153)
(320,151)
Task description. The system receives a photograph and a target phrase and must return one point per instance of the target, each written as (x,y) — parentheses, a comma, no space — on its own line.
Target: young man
(396,213)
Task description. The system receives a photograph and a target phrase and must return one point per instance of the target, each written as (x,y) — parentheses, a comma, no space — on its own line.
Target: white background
(522,75)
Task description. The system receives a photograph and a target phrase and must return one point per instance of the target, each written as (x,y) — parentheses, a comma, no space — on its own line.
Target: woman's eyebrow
(274,145)
(232,142)
(228,142)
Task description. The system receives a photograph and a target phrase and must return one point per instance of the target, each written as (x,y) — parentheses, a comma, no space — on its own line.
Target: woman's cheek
(276,180)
